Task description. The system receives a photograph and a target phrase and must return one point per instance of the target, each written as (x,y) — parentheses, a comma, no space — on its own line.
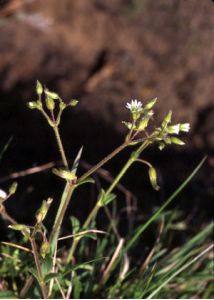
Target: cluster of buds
(167,134)
(51,99)
(140,115)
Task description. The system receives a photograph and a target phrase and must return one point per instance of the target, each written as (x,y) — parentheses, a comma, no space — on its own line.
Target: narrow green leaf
(77,160)
(75,224)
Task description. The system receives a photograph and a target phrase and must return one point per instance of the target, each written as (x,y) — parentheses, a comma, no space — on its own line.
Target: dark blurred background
(104,53)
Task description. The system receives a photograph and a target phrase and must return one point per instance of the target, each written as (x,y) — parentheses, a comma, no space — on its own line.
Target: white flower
(185,127)
(134,106)
(174,129)
(3,194)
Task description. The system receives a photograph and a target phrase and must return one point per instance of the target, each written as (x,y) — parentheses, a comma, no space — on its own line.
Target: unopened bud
(51,95)
(13,188)
(32,105)
(73,102)
(39,88)
(153,178)
(50,103)
(150,104)
(177,141)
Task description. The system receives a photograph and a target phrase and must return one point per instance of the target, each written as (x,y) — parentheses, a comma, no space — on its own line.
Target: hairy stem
(60,146)
(104,161)
(38,267)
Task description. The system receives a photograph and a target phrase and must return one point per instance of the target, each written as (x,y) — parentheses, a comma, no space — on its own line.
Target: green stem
(104,161)
(38,267)
(60,146)
(67,193)
(134,156)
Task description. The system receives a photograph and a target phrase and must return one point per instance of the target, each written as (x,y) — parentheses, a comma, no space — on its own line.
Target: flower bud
(51,95)
(150,104)
(153,178)
(177,141)
(62,105)
(32,105)
(13,188)
(50,103)
(167,119)
(39,88)
(73,102)
(143,123)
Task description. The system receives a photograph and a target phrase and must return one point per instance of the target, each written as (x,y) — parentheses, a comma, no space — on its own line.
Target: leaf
(46,265)
(90,235)
(77,287)
(50,276)
(84,181)
(81,266)
(77,160)
(105,199)
(75,224)
(34,273)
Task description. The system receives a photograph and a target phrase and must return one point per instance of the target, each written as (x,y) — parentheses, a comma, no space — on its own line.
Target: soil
(105,53)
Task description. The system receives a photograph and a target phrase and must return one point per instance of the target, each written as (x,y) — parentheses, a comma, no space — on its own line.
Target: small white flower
(174,129)
(134,105)
(3,194)
(185,127)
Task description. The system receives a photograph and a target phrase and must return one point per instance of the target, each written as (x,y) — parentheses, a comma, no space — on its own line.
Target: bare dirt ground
(105,53)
